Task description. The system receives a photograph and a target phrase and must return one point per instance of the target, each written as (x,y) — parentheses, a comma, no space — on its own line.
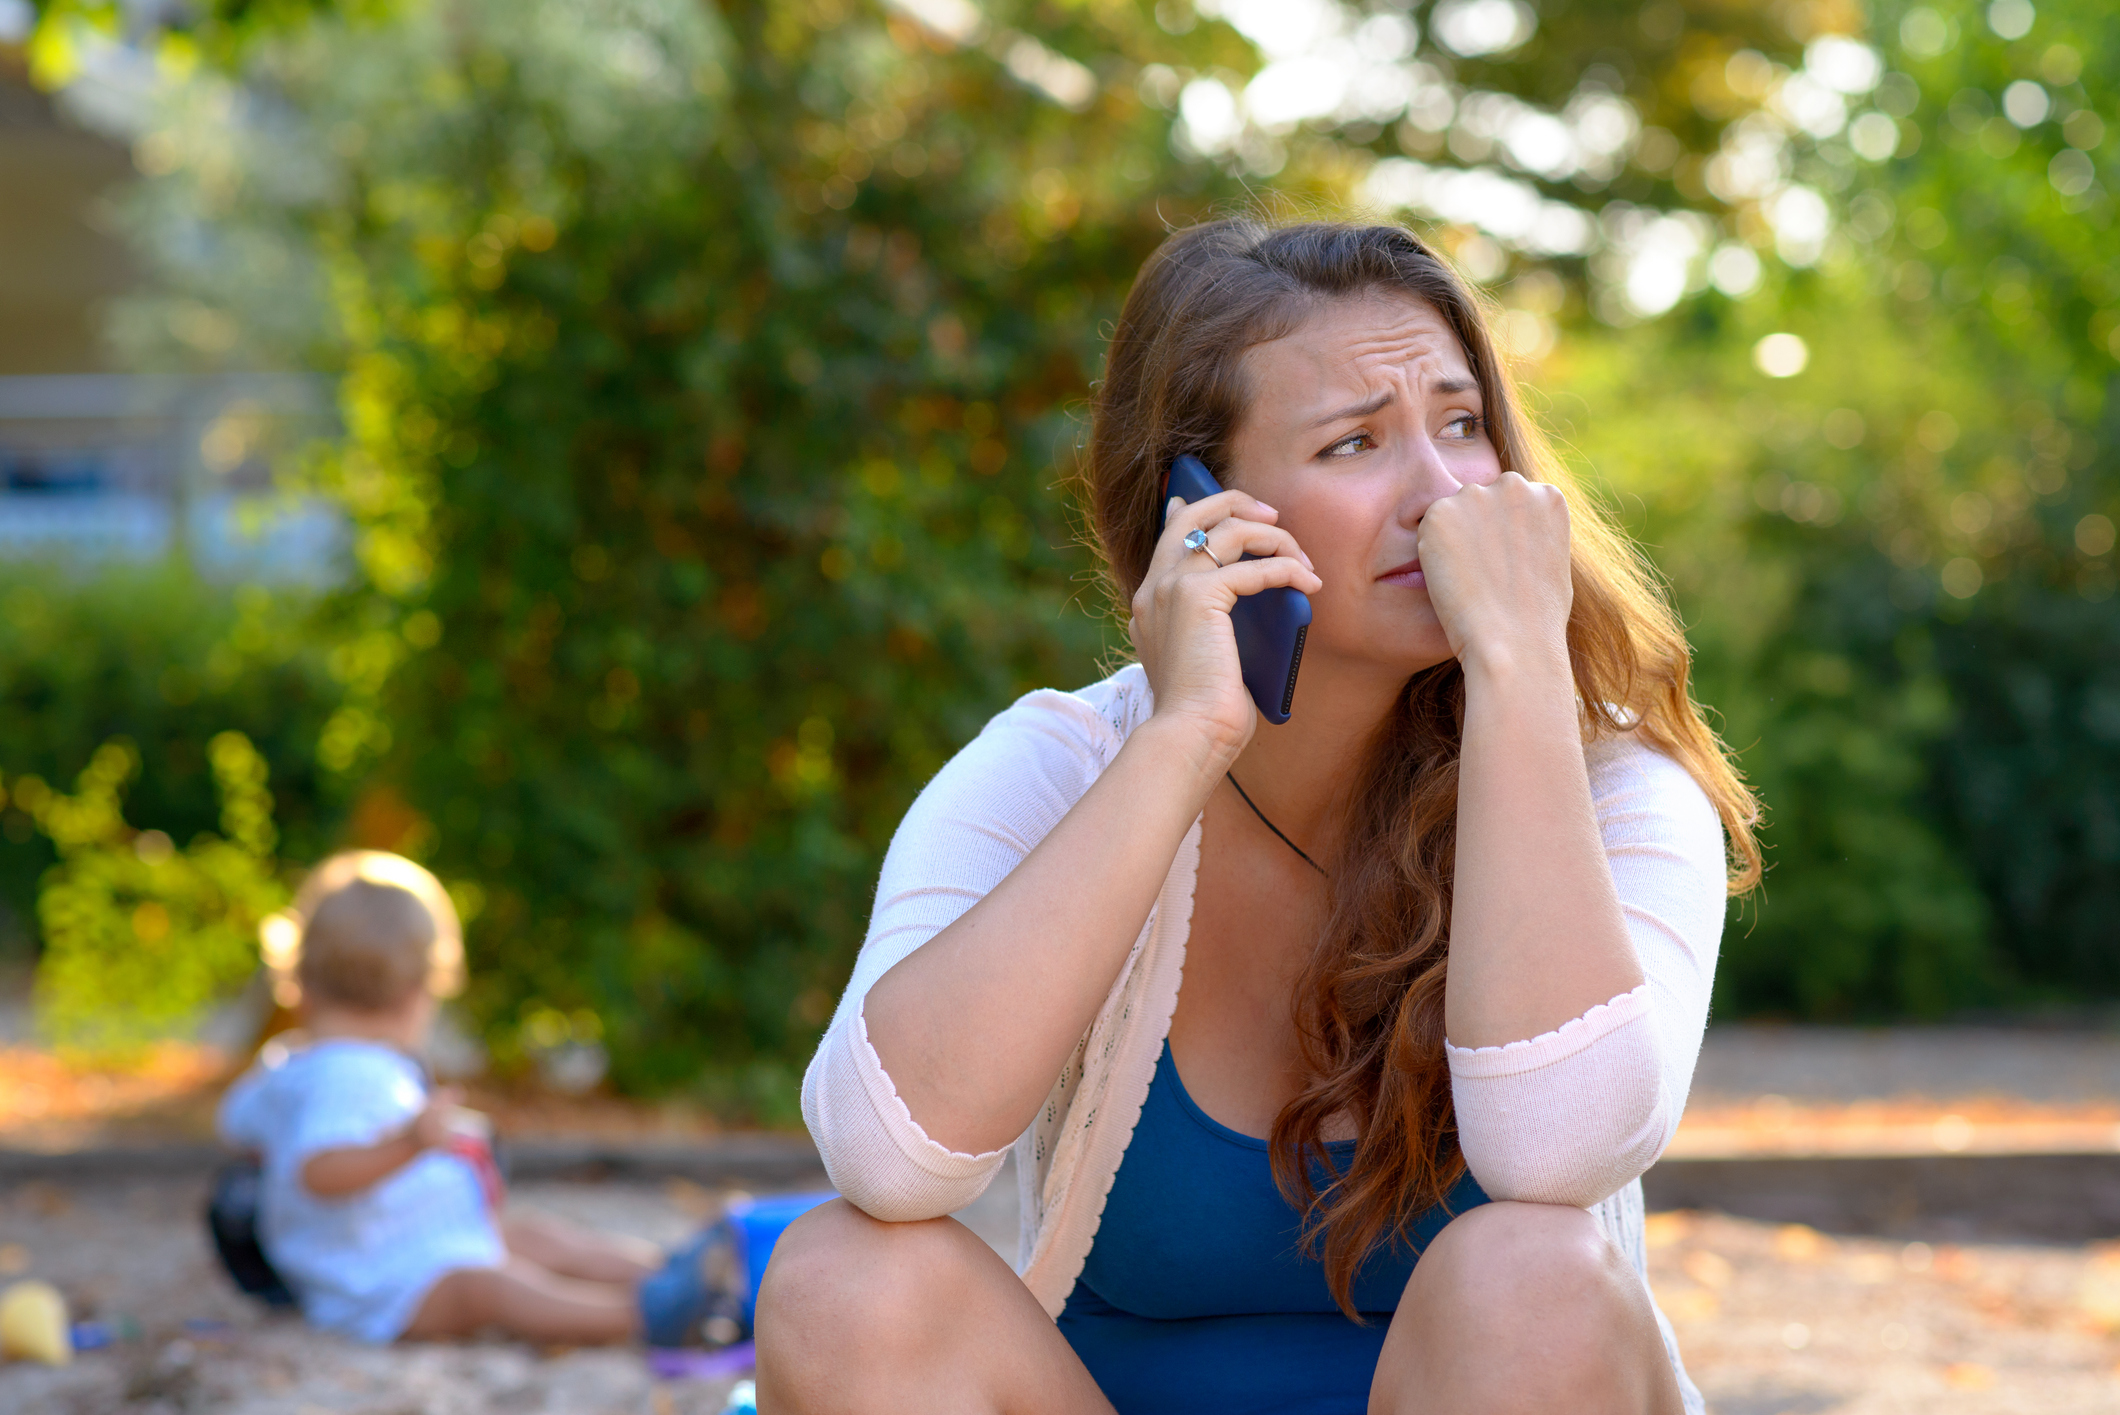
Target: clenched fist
(1496,561)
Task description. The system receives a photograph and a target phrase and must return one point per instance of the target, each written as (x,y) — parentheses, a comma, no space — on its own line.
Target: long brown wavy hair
(1369,1005)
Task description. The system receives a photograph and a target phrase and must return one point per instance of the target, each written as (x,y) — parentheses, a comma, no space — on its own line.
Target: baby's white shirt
(359,1265)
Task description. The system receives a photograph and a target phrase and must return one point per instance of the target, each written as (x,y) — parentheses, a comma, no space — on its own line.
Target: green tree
(140,937)
(703,377)
(1898,559)
(707,371)
(166,662)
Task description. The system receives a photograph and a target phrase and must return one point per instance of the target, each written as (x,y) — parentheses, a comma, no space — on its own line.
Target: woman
(1445,938)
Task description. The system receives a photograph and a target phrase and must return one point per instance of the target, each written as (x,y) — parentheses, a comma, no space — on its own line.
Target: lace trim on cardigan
(1572,1036)
(927,1152)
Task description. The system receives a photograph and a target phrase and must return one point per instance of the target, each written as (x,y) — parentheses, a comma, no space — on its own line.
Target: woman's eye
(1349,445)
(1465,427)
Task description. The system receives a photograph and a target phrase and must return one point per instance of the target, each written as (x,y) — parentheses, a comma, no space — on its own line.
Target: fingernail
(1264,507)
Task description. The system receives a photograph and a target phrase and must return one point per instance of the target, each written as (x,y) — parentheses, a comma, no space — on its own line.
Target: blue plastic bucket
(758,1224)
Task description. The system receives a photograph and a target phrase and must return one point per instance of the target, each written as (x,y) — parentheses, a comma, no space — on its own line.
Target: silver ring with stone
(1197,540)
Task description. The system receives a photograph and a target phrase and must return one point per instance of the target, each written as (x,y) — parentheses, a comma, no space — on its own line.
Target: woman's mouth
(1408,575)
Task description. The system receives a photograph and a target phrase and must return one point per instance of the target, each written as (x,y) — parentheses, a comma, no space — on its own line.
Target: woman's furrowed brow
(1441,388)
(1358,410)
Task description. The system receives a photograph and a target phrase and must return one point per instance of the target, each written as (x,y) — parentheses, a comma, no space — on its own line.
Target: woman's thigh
(860,1315)
(1524,1307)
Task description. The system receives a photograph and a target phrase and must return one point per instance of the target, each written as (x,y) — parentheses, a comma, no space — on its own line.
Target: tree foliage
(703,376)
(708,373)
(1897,561)
(139,936)
(166,663)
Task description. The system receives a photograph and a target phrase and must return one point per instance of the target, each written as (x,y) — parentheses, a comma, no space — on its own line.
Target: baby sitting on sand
(379,1204)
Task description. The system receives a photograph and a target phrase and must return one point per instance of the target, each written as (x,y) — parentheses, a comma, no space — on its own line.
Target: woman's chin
(1392,653)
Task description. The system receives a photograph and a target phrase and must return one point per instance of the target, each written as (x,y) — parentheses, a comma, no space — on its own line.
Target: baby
(378,1204)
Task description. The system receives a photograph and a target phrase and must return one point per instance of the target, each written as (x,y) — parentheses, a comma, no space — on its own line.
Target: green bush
(703,378)
(166,663)
(706,372)
(1892,562)
(2029,780)
(141,938)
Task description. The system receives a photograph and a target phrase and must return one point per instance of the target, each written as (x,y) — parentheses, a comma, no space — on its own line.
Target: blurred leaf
(140,938)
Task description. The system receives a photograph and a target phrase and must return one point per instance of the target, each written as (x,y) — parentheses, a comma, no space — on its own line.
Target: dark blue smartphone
(1271,625)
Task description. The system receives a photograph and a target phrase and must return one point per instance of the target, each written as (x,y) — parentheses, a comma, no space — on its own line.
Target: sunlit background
(615,450)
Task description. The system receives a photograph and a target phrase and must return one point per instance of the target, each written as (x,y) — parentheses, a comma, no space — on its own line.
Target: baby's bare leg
(573,1251)
(529,1301)
(859,1316)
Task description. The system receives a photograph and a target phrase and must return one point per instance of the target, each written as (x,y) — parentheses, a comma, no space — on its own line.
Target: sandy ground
(1773,1320)
(1783,1320)
(139,1251)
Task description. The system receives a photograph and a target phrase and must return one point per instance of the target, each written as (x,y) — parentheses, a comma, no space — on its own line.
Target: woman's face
(1361,419)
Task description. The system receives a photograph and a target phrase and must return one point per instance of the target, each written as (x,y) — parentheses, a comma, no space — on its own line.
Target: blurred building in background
(99,465)
(699,381)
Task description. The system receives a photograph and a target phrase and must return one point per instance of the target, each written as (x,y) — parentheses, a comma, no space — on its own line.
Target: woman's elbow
(889,1206)
(891,1173)
(1575,1165)
(902,1192)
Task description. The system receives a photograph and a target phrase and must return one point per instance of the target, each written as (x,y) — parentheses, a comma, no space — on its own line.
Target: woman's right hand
(1180,625)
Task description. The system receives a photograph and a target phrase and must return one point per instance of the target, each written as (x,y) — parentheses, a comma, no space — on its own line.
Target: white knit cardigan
(1572,1116)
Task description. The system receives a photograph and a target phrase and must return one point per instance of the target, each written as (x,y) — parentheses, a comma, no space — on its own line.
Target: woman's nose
(1428,479)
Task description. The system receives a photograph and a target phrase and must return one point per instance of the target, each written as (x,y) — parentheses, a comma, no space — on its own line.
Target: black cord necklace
(1274,828)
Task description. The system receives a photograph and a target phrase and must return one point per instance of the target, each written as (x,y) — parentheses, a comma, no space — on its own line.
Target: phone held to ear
(1271,625)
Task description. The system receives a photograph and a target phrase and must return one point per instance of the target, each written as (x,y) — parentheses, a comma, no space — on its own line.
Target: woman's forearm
(1537,935)
(974,1025)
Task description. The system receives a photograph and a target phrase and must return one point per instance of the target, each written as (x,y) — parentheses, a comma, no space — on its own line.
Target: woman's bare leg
(858,1316)
(573,1251)
(1522,1309)
(528,1301)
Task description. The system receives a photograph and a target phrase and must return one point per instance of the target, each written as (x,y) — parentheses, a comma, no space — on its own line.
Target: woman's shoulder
(1640,789)
(1096,719)
(1121,700)
(1040,753)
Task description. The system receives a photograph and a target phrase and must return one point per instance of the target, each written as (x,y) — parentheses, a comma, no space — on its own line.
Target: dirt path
(1782,1320)
(1773,1320)
(138,1251)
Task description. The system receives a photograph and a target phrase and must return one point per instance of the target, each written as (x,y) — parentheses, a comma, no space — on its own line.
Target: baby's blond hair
(367,930)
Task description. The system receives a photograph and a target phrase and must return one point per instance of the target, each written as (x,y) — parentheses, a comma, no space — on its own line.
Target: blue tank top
(1197,1295)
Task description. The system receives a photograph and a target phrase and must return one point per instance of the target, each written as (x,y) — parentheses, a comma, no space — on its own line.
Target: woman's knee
(1535,1299)
(1506,1256)
(857,1315)
(841,1275)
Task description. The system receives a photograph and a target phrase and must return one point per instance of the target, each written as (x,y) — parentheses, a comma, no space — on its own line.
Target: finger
(1212,511)
(1230,539)
(1234,539)
(1247,577)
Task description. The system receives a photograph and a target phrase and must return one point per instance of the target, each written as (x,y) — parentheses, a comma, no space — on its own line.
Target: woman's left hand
(1495,557)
